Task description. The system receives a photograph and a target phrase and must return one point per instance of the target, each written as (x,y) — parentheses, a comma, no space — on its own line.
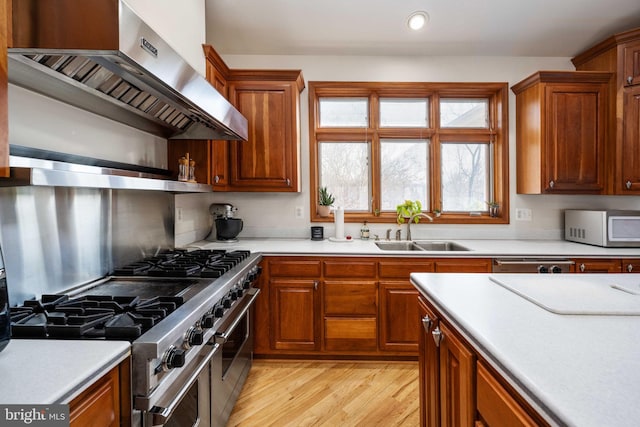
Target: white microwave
(608,228)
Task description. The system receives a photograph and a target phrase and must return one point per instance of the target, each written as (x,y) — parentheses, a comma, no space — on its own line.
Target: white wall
(273,214)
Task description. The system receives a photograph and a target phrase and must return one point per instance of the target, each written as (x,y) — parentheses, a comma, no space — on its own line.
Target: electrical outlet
(523,214)
(299,212)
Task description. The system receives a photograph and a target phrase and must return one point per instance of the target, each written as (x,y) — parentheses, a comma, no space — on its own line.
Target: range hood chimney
(101,57)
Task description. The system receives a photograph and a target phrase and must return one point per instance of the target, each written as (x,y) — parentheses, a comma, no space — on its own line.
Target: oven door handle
(534,262)
(161,414)
(227,328)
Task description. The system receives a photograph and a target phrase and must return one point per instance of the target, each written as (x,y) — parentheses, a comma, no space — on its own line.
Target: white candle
(338,215)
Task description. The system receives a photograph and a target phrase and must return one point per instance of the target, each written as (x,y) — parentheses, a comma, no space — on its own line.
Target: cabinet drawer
(350,268)
(402,270)
(495,404)
(348,298)
(295,268)
(350,333)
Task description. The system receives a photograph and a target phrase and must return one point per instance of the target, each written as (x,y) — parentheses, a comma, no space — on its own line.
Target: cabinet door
(575,138)
(294,314)
(630,149)
(429,367)
(467,265)
(631,265)
(398,314)
(631,60)
(4,90)
(598,265)
(99,405)
(495,405)
(268,161)
(219,164)
(457,404)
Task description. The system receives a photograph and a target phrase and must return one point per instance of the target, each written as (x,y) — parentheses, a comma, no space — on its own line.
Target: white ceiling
(561,28)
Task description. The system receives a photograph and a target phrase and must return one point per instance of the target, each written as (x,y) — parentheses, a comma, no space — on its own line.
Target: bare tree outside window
(344,170)
(464,177)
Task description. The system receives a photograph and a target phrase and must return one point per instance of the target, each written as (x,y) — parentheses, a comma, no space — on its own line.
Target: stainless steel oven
(231,368)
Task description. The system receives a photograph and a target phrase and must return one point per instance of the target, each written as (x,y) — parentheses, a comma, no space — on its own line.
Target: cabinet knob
(551,184)
(437,336)
(315,285)
(582,268)
(426,322)
(628,185)
(629,79)
(629,268)
(288,182)
(216,179)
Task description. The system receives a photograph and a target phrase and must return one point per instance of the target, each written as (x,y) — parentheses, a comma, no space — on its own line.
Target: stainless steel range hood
(100,56)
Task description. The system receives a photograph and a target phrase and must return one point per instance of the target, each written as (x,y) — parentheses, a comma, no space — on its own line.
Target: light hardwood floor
(294,393)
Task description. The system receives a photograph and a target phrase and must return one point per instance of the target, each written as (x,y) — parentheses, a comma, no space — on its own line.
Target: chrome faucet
(411,218)
(388,234)
(399,234)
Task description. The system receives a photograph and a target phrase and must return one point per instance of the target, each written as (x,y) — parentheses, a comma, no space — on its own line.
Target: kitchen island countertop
(477,248)
(55,371)
(576,369)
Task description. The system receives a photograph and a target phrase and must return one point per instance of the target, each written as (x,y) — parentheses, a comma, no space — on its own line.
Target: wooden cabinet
(597,265)
(428,367)
(631,266)
(294,320)
(630,148)
(106,403)
(631,63)
(269,161)
(496,407)
(620,55)
(344,306)
(457,387)
(561,132)
(294,303)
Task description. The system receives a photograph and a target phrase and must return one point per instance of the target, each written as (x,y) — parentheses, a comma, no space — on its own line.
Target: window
(374,145)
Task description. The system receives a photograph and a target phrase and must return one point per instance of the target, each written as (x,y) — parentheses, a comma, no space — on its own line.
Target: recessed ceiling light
(417,20)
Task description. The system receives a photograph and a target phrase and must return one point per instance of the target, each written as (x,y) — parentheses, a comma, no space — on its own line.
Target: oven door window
(186,413)
(234,343)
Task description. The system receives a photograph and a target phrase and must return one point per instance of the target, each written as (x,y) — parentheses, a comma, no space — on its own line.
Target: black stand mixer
(225,227)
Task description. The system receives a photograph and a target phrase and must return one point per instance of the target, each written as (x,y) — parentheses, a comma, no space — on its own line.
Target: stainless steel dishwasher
(528,265)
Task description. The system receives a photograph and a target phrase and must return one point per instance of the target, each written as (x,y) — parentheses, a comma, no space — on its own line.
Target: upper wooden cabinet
(270,159)
(561,133)
(620,55)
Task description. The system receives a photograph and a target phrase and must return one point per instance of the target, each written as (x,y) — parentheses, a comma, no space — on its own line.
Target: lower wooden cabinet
(294,323)
(106,403)
(343,306)
(597,265)
(496,407)
(457,388)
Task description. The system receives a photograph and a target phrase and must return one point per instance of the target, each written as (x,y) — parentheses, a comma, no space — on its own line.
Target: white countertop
(478,248)
(55,371)
(577,370)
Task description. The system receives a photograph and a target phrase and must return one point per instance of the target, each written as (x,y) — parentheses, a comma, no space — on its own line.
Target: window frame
(496,135)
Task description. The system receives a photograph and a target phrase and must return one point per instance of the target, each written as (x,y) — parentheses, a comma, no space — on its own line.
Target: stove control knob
(233,294)
(226,302)
(543,269)
(246,284)
(239,291)
(173,358)
(193,336)
(556,269)
(208,320)
(218,310)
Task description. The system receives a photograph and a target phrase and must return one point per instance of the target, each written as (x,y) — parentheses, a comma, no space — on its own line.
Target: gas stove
(173,308)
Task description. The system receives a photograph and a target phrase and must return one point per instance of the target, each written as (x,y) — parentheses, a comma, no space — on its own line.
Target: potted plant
(325,200)
(407,209)
(493,208)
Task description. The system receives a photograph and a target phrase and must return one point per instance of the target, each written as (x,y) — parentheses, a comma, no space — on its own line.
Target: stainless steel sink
(421,245)
(398,246)
(438,245)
